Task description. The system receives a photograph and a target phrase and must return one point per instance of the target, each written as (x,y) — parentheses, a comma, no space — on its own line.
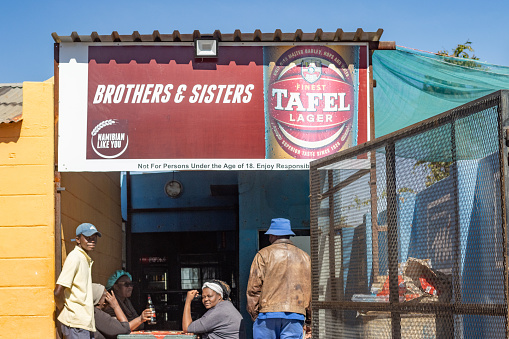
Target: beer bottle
(151,307)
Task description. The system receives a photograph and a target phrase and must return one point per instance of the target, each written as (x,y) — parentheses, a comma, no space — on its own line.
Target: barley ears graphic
(102,125)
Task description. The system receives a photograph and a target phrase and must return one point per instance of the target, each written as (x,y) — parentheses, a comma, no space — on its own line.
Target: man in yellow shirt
(73,291)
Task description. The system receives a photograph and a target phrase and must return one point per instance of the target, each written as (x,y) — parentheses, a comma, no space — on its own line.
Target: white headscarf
(97,292)
(214,287)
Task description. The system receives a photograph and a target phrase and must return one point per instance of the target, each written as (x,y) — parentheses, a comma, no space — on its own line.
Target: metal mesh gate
(408,231)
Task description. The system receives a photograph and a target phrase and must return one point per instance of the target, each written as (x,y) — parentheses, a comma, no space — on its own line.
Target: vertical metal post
(503,124)
(374,215)
(372,82)
(445,323)
(128,222)
(457,240)
(392,237)
(373,185)
(58,196)
(58,226)
(336,285)
(56,72)
(314,180)
(237,246)
(58,216)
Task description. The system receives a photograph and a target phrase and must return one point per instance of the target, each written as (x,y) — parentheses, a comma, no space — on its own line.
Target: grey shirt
(108,327)
(222,321)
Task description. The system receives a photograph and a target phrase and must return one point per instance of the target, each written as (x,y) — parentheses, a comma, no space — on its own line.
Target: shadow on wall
(10,132)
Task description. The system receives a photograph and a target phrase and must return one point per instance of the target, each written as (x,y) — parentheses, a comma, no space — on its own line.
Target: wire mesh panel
(408,232)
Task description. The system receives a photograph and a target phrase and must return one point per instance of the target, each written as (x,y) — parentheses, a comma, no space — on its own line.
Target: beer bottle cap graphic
(310,103)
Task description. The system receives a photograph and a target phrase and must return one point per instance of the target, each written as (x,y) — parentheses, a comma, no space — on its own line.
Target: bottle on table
(151,307)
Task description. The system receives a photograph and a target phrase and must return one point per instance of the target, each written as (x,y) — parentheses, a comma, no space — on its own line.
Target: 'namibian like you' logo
(109,138)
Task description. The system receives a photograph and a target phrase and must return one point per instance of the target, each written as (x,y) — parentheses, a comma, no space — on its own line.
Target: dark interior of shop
(167,265)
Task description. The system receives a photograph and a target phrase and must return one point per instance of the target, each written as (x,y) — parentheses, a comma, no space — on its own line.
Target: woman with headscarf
(121,283)
(107,326)
(221,321)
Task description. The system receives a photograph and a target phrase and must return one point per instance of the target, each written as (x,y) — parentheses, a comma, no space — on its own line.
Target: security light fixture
(205,48)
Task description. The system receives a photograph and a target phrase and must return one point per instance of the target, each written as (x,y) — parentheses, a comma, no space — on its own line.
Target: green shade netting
(413,85)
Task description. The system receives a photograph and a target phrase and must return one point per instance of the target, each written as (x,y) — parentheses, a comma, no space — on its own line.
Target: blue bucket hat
(87,229)
(280,226)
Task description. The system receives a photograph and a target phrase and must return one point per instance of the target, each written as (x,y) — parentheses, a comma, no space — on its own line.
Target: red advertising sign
(158,102)
(147,107)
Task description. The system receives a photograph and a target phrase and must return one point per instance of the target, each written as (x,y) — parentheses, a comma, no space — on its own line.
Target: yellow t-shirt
(76,277)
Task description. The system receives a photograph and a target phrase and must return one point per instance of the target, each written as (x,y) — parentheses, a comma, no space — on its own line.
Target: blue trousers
(278,328)
(76,333)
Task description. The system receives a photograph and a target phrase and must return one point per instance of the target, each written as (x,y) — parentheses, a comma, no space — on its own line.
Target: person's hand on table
(191,295)
(145,315)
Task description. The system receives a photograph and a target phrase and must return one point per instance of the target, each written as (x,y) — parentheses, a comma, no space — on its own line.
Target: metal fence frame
(499,99)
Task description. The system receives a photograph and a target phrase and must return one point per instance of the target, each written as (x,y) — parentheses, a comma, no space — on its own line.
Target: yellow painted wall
(94,198)
(27,218)
(27,243)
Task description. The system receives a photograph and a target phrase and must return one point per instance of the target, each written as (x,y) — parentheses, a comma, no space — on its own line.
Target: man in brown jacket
(279,286)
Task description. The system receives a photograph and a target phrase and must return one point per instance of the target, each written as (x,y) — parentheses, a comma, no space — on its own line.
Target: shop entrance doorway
(178,240)
(167,265)
(211,229)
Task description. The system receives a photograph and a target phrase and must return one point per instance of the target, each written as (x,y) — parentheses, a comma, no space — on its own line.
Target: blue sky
(26,53)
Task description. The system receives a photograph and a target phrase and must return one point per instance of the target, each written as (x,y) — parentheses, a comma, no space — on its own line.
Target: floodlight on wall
(205,48)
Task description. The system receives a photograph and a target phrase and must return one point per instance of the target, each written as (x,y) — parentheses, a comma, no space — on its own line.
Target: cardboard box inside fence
(418,283)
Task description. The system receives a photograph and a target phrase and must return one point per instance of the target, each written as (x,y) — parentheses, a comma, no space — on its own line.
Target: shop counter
(158,335)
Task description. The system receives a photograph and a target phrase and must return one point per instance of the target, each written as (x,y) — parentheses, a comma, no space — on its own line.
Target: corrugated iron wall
(408,231)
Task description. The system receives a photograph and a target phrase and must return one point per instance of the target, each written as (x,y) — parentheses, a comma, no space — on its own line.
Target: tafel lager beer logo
(311,101)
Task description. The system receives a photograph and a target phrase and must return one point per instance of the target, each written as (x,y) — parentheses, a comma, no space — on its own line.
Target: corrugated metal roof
(257,36)
(11,102)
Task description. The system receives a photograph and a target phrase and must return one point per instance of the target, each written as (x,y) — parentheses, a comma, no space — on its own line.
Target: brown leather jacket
(280,280)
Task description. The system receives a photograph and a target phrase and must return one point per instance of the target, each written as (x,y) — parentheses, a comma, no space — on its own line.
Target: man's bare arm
(59,296)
